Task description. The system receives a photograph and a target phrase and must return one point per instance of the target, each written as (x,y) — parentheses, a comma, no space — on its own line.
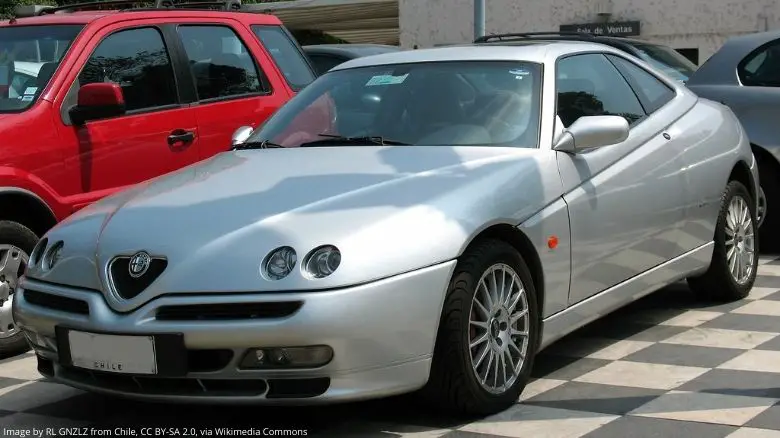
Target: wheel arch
(764,157)
(518,240)
(26,208)
(741,172)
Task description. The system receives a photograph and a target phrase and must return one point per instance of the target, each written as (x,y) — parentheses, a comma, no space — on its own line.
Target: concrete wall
(681,24)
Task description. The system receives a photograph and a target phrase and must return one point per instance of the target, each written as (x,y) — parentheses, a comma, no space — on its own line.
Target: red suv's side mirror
(98,101)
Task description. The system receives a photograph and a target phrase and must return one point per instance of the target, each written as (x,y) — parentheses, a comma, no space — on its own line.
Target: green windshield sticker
(386,80)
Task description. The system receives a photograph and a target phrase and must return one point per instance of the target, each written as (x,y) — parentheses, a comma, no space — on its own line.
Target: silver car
(421,220)
(745,75)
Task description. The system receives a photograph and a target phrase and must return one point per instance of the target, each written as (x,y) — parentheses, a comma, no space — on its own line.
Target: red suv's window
(220,63)
(29,56)
(138,61)
(287,54)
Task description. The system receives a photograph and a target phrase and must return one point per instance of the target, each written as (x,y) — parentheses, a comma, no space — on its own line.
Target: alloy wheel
(12,264)
(740,240)
(499,327)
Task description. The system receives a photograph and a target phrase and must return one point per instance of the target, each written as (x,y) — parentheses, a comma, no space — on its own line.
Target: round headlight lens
(52,256)
(323,261)
(279,263)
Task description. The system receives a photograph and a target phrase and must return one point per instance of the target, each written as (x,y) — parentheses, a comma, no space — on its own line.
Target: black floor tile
(733,382)
(769,419)
(603,399)
(641,427)
(551,366)
(684,355)
(739,321)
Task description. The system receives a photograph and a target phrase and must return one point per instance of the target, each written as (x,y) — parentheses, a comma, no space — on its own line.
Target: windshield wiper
(265,144)
(337,140)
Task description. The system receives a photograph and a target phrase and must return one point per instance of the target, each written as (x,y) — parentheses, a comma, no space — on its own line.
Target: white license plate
(113,353)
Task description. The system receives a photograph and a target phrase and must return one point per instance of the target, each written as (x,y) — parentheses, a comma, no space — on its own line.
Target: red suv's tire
(16,243)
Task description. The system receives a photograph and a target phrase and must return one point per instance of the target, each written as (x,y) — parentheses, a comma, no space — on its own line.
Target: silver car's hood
(215,221)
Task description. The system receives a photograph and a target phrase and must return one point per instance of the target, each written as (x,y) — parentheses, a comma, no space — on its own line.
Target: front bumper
(382,335)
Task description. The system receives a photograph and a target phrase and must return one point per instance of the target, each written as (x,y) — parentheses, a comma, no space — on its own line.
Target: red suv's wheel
(16,244)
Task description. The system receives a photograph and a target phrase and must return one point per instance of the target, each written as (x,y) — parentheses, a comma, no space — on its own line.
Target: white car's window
(323,63)
(29,56)
(416,104)
(590,85)
(653,92)
(667,60)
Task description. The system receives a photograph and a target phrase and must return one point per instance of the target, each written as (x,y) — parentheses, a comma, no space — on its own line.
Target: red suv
(93,101)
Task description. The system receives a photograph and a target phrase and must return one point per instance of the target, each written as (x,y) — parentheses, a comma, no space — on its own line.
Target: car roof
(531,51)
(113,16)
(721,67)
(351,50)
(612,40)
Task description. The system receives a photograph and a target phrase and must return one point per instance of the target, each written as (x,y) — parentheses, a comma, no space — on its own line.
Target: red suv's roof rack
(34,10)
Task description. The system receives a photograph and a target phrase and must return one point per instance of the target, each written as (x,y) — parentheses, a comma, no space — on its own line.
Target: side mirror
(98,101)
(241,135)
(592,132)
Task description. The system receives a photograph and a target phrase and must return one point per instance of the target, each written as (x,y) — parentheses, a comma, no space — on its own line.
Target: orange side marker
(552,242)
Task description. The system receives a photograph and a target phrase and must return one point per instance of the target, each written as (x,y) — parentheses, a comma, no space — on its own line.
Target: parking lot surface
(665,366)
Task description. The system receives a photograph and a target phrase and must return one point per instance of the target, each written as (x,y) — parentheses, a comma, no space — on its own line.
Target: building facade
(696,28)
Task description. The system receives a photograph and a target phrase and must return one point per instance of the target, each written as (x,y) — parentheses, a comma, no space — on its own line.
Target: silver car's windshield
(29,55)
(488,103)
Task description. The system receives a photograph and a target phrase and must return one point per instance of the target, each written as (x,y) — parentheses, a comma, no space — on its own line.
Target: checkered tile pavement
(666,366)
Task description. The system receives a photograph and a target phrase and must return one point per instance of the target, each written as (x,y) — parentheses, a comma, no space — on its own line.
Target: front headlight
(279,263)
(52,256)
(37,253)
(322,261)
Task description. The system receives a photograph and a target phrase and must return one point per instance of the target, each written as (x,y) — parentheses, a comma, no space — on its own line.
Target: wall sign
(615,28)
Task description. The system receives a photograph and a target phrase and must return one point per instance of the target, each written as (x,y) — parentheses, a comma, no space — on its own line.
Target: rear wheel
(732,270)
(487,335)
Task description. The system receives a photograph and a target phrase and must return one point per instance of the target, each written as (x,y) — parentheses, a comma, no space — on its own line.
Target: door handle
(180,136)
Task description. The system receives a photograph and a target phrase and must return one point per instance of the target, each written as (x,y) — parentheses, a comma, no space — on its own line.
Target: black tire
(770,228)
(16,234)
(717,284)
(452,386)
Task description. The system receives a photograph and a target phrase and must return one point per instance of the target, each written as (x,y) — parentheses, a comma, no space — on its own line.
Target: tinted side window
(323,63)
(287,55)
(589,85)
(762,68)
(653,92)
(138,61)
(220,62)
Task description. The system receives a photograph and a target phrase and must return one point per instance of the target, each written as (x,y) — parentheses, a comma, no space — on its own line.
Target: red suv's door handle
(180,136)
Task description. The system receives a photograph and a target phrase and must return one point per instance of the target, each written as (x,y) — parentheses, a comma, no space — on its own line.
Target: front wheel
(487,335)
(16,244)
(734,264)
